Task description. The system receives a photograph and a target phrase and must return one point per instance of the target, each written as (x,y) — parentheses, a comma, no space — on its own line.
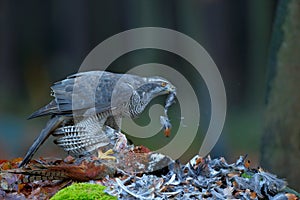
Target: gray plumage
(87,106)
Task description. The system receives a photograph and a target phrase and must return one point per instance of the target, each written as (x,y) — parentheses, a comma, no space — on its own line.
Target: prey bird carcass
(88,107)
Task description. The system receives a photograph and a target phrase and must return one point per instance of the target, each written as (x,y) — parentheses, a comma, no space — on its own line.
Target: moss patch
(83,191)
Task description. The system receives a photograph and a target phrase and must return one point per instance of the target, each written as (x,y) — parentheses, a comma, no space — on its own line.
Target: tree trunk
(281,139)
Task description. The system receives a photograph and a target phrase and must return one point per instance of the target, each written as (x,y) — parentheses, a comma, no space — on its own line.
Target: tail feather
(51,125)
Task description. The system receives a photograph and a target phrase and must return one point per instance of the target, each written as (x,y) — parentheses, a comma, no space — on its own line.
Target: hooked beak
(171,88)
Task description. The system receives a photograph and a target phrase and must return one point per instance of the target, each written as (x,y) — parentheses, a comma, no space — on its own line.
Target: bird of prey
(88,107)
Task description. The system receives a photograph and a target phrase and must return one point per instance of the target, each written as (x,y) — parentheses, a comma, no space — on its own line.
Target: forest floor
(138,173)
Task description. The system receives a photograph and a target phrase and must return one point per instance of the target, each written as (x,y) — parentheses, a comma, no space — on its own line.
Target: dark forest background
(43,42)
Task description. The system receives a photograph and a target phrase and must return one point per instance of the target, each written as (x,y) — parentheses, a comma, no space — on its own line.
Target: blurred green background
(43,42)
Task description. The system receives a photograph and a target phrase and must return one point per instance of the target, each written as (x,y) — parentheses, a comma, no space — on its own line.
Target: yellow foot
(105,156)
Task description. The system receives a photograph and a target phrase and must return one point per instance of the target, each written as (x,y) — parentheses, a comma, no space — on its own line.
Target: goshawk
(88,107)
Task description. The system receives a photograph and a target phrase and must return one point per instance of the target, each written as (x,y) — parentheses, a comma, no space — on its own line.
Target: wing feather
(94,89)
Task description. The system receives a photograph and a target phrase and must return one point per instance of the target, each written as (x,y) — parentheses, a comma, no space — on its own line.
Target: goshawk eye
(163,84)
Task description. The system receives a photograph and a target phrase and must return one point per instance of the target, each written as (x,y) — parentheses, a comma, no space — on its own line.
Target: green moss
(83,191)
(246,175)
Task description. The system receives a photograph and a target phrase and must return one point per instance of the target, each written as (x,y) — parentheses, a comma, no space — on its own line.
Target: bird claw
(106,155)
